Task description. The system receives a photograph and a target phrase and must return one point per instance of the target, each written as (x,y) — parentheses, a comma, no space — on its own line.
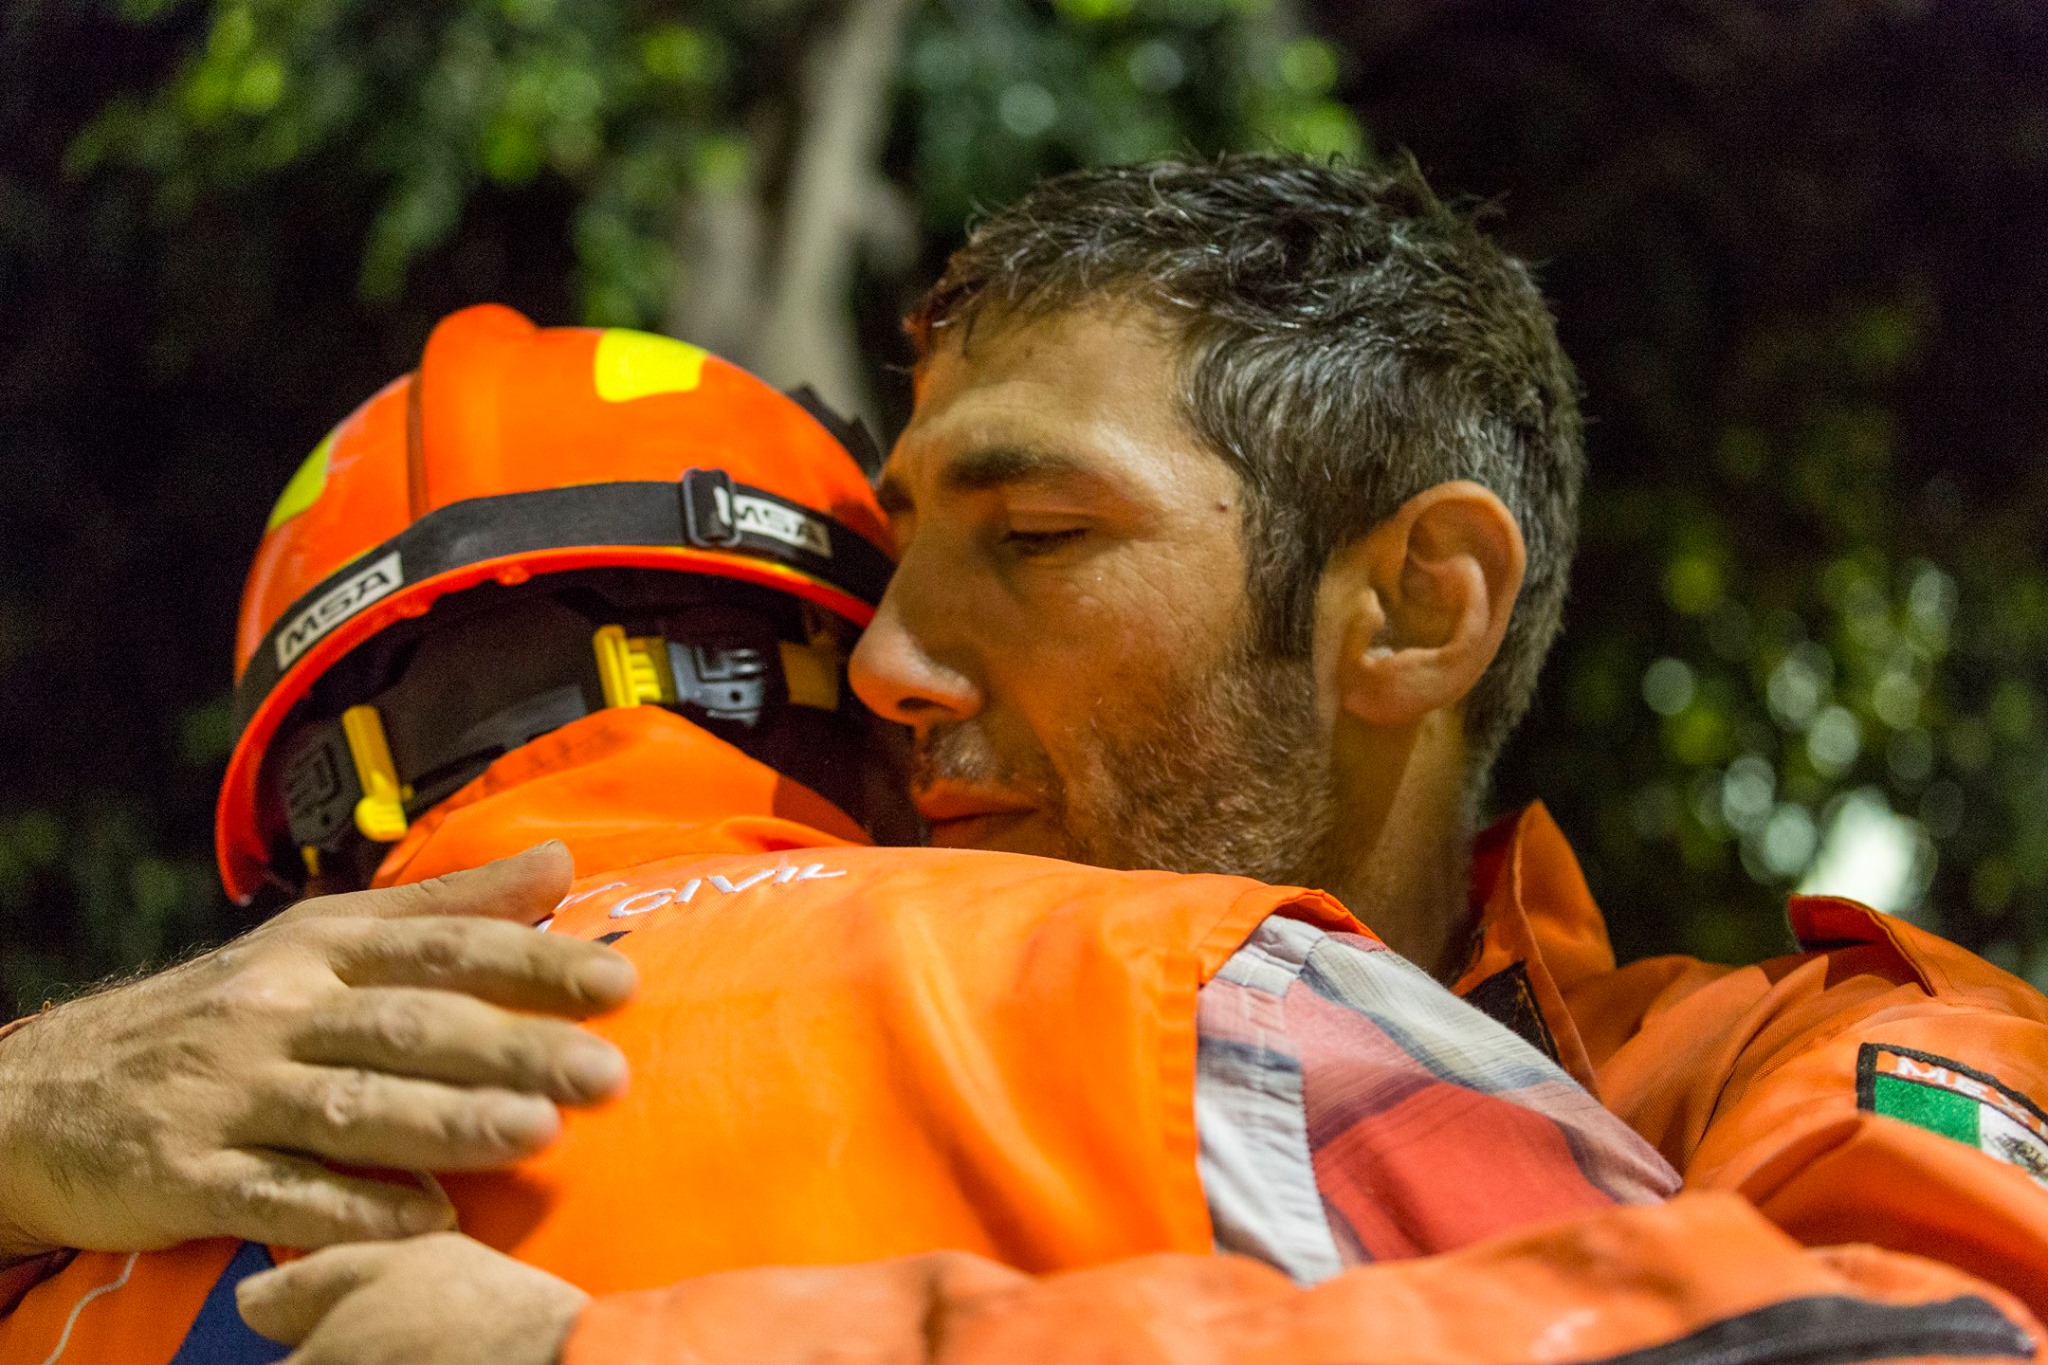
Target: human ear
(1420,603)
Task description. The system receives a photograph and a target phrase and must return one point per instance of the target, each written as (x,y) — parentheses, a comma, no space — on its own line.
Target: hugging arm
(421,1027)
(1686,1280)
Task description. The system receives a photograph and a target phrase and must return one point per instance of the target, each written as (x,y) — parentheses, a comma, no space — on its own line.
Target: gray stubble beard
(1229,772)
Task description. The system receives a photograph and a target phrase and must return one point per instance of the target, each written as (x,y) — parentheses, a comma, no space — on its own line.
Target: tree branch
(809,335)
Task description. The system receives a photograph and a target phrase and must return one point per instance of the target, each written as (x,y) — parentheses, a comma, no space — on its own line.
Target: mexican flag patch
(1956,1101)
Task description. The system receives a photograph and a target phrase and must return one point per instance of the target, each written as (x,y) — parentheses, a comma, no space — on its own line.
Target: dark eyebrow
(981,471)
(988,469)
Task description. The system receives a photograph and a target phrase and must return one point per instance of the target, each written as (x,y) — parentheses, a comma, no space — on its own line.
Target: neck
(1404,863)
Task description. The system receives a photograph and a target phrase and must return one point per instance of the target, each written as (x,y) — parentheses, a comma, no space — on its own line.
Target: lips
(964,818)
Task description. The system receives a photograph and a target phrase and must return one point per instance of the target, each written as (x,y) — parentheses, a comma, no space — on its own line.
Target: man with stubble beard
(1234,521)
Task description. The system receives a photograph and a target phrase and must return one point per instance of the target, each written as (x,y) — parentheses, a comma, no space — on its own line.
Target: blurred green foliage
(1791,252)
(632,108)
(1795,250)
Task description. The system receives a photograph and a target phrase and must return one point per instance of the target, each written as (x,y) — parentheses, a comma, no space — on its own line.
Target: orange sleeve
(1836,1143)
(1892,1091)
(1703,1273)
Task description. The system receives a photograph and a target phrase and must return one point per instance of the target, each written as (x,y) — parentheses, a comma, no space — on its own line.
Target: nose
(896,674)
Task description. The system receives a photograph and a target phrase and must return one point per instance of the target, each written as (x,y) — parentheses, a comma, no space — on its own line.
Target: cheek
(1159,617)
(1112,653)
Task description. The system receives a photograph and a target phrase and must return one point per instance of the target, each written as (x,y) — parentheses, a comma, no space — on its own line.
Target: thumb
(287,1303)
(525,888)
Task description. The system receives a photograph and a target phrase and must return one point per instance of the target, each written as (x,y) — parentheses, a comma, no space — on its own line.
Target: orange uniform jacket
(1882,1089)
(840,1053)
(1780,1081)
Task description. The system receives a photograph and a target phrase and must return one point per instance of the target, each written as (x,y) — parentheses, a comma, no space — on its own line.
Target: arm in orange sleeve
(1701,1277)
(1891,1090)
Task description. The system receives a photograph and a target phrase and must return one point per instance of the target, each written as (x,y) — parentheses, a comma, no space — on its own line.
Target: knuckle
(515,1054)
(544,1057)
(400,1027)
(412,900)
(468,1125)
(183,1172)
(409,899)
(499,1123)
(234,957)
(344,1098)
(441,950)
(225,1200)
(432,889)
(265,1196)
(563,963)
(317,934)
(255,995)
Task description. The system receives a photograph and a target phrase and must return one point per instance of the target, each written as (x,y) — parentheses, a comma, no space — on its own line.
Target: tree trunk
(716,299)
(787,312)
(836,190)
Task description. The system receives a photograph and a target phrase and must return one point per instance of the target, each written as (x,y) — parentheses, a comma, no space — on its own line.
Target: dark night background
(1797,251)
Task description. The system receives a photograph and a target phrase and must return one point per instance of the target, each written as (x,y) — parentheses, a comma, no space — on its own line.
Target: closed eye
(1029,543)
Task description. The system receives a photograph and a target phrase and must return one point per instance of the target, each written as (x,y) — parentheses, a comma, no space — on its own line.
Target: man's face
(1068,632)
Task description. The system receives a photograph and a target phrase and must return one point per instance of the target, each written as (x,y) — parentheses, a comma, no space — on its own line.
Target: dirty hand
(398,1028)
(442,1298)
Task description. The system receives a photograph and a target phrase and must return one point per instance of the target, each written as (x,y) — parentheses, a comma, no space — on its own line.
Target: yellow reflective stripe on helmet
(633,365)
(305,488)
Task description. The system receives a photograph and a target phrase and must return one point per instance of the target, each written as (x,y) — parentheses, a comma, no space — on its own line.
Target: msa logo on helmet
(785,524)
(336,605)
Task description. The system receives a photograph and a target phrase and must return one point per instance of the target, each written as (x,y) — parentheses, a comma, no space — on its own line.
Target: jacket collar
(619,787)
(1538,935)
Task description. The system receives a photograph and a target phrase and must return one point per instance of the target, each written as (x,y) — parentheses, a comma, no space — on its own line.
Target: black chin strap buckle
(710,518)
(320,788)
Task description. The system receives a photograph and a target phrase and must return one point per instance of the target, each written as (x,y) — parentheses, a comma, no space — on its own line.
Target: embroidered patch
(1956,1101)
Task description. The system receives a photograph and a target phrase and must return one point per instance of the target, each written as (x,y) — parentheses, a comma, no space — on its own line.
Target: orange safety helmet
(516,451)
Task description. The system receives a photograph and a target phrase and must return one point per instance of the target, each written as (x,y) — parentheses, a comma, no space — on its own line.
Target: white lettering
(655,898)
(578,897)
(631,904)
(733,889)
(336,605)
(1914,1071)
(785,524)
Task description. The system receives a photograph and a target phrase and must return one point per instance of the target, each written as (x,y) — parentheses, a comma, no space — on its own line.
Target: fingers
(441,1036)
(282,1200)
(365,1118)
(287,1303)
(524,888)
(506,964)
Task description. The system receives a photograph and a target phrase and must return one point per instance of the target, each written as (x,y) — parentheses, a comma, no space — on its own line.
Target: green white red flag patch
(1946,1097)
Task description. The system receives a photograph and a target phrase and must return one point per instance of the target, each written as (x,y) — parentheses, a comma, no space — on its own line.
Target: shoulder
(1725,1066)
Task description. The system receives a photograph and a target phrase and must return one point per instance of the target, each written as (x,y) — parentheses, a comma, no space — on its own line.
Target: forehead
(1096,389)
